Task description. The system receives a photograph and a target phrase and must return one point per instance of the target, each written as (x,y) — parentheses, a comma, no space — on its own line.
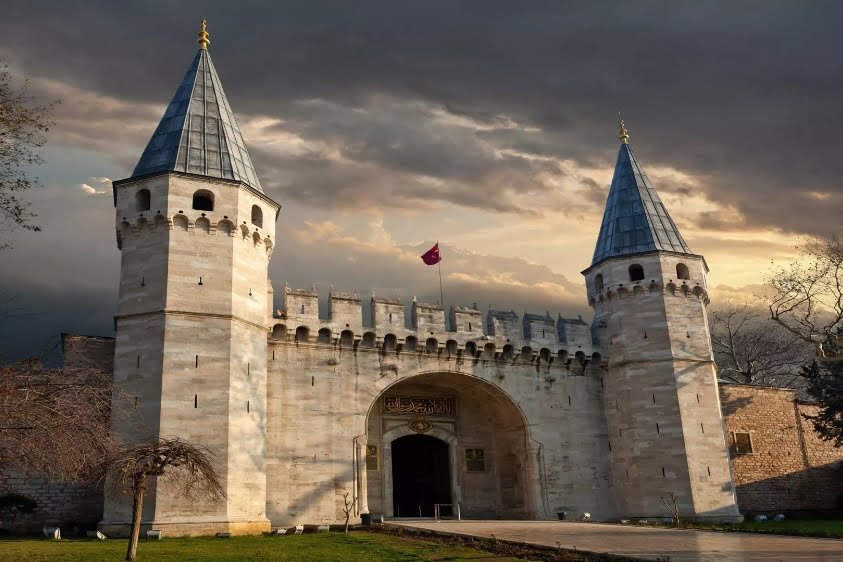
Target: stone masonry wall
(790,467)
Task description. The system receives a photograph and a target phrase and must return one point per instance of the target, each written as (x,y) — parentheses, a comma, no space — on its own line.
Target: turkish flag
(432,257)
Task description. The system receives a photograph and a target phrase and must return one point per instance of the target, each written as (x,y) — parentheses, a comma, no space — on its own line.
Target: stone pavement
(647,542)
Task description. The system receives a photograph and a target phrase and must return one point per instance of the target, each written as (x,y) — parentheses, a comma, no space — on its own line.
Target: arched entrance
(421,475)
(449,438)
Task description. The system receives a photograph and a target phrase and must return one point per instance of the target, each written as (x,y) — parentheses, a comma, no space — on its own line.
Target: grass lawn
(355,546)
(808,528)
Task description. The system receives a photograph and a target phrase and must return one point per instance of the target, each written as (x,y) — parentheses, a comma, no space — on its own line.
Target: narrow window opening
(200,281)
(469,326)
(195,400)
(248,369)
(390,318)
(136,401)
(273,355)
(610,446)
(138,365)
(302,309)
(664,474)
(197,360)
(569,400)
(142,200)
(636,272)
(598,282)
(542,333)
(203,200)
(658,430)
(248,406)
(698,397)
(620,432)
(627,474)
(601,382)
(312,381)
(702,428)
(257,216)
(654,398)
(708,468)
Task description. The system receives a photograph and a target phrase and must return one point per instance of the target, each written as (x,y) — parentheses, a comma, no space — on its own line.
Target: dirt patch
(502,547)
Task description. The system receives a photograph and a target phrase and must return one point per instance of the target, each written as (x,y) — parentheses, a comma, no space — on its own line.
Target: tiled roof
(198,133)
(635,220)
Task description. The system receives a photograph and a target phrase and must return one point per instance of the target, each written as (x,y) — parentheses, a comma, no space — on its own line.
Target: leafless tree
(348,507)
(749,348)
(671,502)
(55,423)
(23,128)
(188,468)
(807,294)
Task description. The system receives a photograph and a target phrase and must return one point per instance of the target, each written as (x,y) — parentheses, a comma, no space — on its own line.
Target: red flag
(432,257)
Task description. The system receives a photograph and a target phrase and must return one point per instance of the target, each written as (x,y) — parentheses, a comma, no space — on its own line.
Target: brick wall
(790,468)
(74,509)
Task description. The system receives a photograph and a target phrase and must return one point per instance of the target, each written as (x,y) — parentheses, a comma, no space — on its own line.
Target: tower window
(682,271)
(203,200)
(257,216)
(743,442)
(598,282)
(142,200)
(636,272)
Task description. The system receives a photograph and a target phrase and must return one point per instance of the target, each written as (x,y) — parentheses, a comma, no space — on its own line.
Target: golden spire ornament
(623,134)
(204,37)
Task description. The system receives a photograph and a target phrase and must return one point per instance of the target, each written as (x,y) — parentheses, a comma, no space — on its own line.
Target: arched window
(389,342)
(346,338)
(506,355)
(471,348)
(279,332)
(411,343)
(451,347)
(431,345)
(545,355)
(203,200)
(527,353)
(368,339)
(598,282)
(682,271)
(302,334)
(636,272)
(257,216)
(489,351)
(203,224)
(324,336)
(142,200)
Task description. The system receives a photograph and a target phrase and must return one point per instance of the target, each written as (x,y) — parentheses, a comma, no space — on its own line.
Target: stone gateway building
(494,416)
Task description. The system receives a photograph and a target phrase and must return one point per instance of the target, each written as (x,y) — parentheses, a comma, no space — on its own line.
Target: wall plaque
(426,406)
(475,460)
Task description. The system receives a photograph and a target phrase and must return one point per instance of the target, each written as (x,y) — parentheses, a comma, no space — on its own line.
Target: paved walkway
(648,542)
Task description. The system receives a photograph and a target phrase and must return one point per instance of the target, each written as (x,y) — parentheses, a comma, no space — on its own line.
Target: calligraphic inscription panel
(426,406)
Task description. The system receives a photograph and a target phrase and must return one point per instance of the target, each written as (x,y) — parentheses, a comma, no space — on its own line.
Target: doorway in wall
(420,476)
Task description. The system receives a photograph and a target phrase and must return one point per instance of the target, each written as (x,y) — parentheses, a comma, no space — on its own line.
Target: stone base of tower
(188,527)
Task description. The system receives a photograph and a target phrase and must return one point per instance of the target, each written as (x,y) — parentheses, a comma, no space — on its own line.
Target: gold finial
(204,37)
(623,134)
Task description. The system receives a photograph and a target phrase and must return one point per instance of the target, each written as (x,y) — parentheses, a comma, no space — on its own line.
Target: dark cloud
(745,94)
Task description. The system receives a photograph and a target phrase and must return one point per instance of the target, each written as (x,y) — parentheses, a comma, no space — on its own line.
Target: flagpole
(441,294)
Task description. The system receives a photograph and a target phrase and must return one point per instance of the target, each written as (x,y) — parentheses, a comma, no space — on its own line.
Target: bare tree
(348,507)
(55,423)
(188,468)
(807,294)
(749,348)
(671,502)
(23,128)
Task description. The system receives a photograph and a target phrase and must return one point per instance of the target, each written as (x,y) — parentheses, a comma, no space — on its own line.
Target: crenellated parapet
(535,339)
(146,223)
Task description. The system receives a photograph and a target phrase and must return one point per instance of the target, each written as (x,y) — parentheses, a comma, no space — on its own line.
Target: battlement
(505,335)
(146,222)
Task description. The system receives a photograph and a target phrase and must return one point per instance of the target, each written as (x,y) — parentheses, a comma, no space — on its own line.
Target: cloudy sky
(490,126)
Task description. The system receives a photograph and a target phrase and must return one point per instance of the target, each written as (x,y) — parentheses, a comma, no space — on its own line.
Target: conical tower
(649,295)
(196,234)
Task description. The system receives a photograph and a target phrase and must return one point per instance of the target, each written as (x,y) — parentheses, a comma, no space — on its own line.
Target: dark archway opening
(420,476)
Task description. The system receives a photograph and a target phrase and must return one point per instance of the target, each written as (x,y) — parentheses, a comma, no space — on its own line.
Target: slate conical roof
(635,220)
(198,133)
